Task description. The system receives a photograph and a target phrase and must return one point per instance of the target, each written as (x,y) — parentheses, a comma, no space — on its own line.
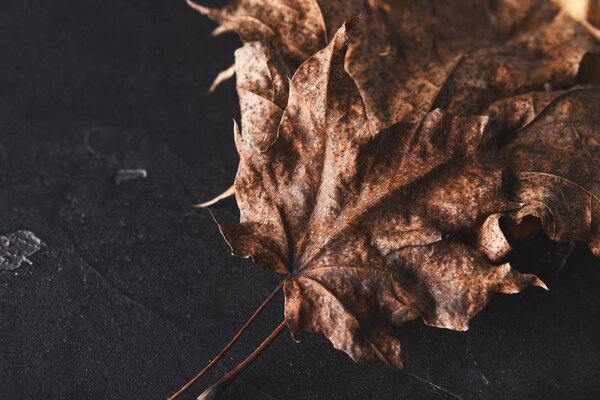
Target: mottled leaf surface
(362,221)
(419,56)
(262,87)
(409,58)
(295,26)
(553,157)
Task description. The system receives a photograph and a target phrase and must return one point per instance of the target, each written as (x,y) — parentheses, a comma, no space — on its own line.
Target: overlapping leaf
(295,26)
(553,155)
(408,58)
(262,87)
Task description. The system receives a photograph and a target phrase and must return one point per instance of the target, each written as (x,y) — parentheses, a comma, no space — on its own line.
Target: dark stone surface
(134,291)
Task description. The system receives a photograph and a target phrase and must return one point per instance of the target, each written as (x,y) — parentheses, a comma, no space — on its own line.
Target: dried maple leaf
(361,222)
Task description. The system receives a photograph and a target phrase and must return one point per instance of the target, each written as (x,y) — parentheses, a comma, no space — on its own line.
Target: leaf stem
(216,389)
(226,348)
(224,195)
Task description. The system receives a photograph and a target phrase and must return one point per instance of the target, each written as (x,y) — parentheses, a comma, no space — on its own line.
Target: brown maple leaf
(361,222)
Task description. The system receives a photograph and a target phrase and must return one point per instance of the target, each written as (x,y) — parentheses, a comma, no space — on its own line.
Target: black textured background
(134,291)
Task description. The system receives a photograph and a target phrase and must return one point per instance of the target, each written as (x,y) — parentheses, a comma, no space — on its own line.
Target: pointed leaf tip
(198,7)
